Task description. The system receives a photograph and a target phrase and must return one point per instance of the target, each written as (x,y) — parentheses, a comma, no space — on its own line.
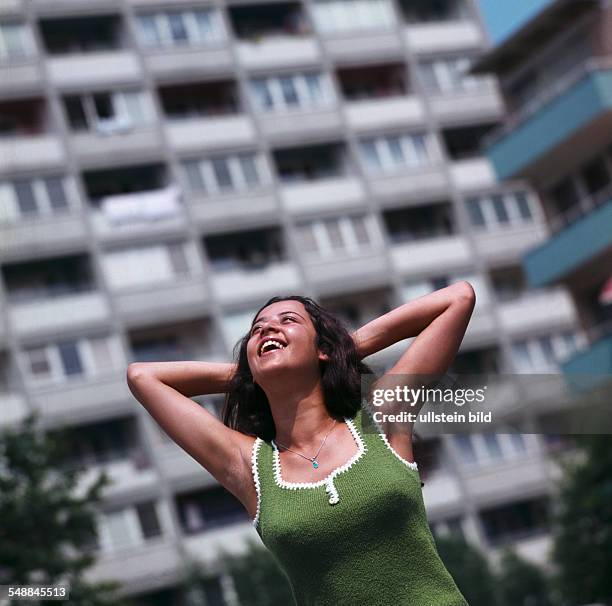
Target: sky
(502,17)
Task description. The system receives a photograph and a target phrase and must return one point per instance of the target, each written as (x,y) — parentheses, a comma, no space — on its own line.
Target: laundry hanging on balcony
(143,206)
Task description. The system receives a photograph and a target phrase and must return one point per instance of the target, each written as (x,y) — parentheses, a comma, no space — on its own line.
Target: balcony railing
(514,120)
(582,208)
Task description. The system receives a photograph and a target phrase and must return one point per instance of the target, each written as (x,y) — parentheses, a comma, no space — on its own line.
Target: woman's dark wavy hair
(246,407)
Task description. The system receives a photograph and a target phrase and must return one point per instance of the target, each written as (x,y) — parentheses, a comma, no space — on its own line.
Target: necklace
(314,461)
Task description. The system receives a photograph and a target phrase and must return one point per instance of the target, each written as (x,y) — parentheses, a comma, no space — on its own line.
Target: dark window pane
(25,197)
(222,173)
(596,176)
(104,106)
(523,205)
(149,522)
(500,209)
(177,27)
(76,113)
(475,212)
(56,192)
(71,360)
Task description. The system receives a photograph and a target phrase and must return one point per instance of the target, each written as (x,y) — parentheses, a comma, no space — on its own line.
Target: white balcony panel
(30,153)
(41,236)
(536,550)
(417,184)
(96,148)
(155,563)
(96,68)
(162,301)
(537,309)
(242,285)
(124,476)
(276,52)
(369,269)
(232,539)
(380,113)
(473,174)
(435,254)
(20,78)
(467,106)
(85,399)
(59,313)
(498,483)
(66,7)
(307,125)
(434,37)
(11,7)
(13,408)
(509,244)
(234,209)
(441,491)
(326,194)
(220,131)
(367,46)
(173,62)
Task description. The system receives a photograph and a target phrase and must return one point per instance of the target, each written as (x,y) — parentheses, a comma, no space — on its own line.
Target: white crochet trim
(328,481)
(255,450)
(410,464)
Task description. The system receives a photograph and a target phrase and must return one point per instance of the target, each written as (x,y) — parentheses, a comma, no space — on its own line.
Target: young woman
(339,507)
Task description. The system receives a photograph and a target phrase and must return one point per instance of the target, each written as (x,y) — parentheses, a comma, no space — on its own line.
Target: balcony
(462,106)
(158,562)
(508,244)
(205,115)
(428,255)
(42,235)
(26,139)
(85,51)
(323,194)
(595,360)
(273,36)
(53,295)
(90,399)
(133,202)
(562,122)
(363,45)
(473,174)
(534,310)
(581,247)
(250,265)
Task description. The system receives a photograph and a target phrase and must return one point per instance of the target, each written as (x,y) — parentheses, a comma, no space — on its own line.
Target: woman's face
(282,338)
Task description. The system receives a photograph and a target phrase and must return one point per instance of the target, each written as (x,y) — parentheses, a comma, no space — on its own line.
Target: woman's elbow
(465,292)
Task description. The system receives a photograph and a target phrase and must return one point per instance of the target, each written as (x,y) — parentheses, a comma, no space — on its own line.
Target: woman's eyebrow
(282,313)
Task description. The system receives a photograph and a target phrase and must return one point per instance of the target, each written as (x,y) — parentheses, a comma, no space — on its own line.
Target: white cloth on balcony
(142,206)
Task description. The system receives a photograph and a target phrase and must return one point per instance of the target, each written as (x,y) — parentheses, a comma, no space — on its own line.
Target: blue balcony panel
(589,99)
(586,241)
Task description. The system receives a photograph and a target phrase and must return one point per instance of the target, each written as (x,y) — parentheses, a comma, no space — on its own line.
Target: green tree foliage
(44,524)
(582,524)
(521,583)
(470,570)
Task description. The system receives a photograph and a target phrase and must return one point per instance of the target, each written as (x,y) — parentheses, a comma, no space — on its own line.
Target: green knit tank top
(358,536)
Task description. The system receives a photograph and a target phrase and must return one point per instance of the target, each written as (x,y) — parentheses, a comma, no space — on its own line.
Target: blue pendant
(315,464)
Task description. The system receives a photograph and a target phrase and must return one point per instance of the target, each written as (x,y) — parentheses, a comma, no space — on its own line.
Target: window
(25,198)
(417,11)
(499,210)
(147,264)
(544,353)
(110,112)
(170,29)
(16,42)
(129,527)
(75,358)
(450,76)
(393,153)
(298,91)
(596,176)
(209,508)
(515,521)
(337,16)
(224,174)
(466,448)
(340,235)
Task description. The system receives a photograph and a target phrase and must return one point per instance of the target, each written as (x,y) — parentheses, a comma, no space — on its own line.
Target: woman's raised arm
(165,390)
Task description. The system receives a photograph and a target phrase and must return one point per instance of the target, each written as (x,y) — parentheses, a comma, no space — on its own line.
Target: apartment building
(555,75)
(168,165)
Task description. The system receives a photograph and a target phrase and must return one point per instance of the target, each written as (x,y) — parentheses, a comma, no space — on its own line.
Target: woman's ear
(323,357)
